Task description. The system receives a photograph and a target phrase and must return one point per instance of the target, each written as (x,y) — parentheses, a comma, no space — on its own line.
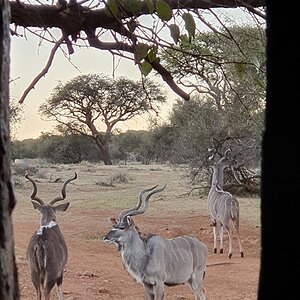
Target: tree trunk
(103,147)
(9,289)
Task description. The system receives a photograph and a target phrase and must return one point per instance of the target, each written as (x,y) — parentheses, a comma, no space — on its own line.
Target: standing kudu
(47,252)
(155,261)
(223,208)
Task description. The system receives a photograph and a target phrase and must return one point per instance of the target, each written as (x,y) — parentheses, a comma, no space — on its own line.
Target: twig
(192,189)
(44,71)
(219,264)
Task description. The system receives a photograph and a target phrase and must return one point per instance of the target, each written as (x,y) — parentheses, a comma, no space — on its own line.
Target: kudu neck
(46,226)
(134,254)
(133,242)
(218,175)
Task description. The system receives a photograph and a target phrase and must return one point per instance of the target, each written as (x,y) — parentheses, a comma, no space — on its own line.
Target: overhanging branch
(84,18)
(44,71)
(163,72)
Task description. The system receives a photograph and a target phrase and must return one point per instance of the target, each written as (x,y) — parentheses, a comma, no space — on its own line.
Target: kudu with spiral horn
(47,252)
(155,261)
(223,207)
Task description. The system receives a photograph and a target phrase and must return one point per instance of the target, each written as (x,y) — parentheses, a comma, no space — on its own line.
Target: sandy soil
(95,271)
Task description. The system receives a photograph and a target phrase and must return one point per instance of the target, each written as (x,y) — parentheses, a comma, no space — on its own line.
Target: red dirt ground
(95,271)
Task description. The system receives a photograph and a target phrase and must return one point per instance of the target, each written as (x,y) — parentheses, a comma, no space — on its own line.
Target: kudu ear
(113,221)
(62,207)
(129,221)
(36,205)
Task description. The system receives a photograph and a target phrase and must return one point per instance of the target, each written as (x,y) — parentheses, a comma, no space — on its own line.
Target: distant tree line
(140,145)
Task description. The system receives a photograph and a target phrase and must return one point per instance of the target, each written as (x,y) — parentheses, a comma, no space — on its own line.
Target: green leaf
(152,55)
(141,51)
(190,24)
(112,9)
(131,25)
(150,5)
(184,40)
(260,83)
(205,51)
(175,32)
(163,10)
(255,61)
(145,68)
(240,69)
(132,5)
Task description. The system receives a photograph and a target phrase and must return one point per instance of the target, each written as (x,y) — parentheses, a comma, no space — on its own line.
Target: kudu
(155,261)
(223,207)
(47,252)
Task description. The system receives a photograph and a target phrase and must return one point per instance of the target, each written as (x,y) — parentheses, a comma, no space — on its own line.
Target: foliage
(90,102)
(126,144)
(15,117)
(29,148)
(198,126)
(229,97)
(57,149)
(224,71)
(157,146)
(22,169)
(133,29)
(118,177)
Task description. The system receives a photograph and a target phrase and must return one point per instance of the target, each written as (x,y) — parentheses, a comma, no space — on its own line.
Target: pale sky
(28,58)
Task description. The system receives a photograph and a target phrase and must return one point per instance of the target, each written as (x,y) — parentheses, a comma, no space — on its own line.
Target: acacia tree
(230,72)
(229,98)
(88,101)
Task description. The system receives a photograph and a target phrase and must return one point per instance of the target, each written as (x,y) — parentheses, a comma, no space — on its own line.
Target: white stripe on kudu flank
(155,261)
(223,208)
(47,252)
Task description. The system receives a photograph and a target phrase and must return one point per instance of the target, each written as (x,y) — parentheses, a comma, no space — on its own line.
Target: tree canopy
(229,95)
(93,104)
(133,29)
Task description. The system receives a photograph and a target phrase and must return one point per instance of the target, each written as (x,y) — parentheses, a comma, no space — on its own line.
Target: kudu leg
(200,295)
(38,294)
(158,289)
(59,287)
(149,291)
(239,241)
(35,278)
(230,242)
(215,237)
(47,289)
(59,291)
(195,283)
(221,231)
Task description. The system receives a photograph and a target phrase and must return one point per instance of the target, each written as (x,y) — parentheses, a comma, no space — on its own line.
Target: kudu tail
(38,260)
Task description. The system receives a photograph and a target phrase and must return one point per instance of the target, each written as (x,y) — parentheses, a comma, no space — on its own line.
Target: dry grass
(175,211)
(89,191)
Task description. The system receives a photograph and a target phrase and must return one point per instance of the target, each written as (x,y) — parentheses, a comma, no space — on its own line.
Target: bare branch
(165,74)
(168,78)
(44,71)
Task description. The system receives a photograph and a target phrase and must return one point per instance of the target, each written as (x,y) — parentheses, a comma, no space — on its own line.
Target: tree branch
(71,21)
(44,71)
(163,72)
(168,78)
(27,15)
